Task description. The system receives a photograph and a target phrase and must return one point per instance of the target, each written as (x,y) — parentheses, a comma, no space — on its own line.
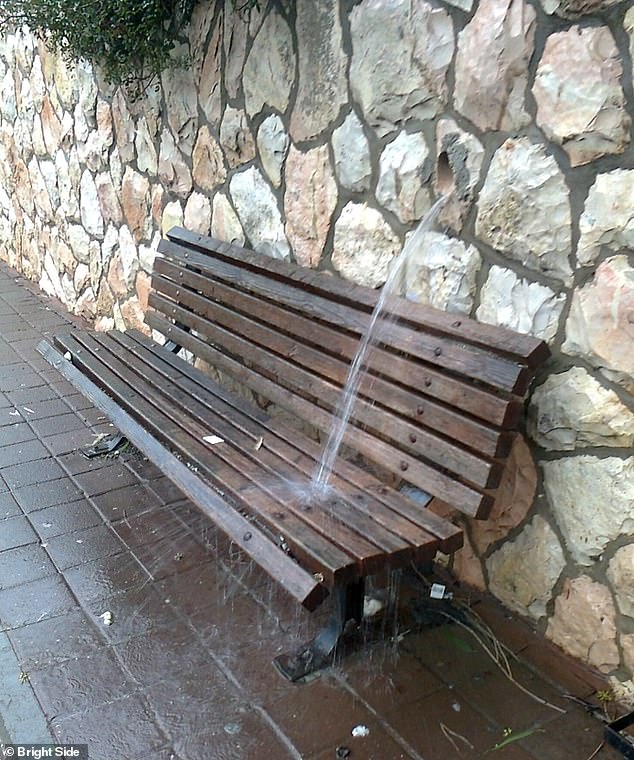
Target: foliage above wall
(129,40)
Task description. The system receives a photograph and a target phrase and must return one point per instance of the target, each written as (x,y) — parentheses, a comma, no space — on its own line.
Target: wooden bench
(438,410)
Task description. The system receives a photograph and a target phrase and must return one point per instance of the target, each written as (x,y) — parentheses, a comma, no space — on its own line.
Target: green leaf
(515,738)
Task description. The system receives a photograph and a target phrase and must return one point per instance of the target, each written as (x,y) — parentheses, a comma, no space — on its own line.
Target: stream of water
(323,471)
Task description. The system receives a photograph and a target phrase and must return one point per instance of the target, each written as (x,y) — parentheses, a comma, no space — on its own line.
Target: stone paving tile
(171,555)
(378,745)
(21,334)
(24,564)
(166,753)
(305,711)
(34,497)
(9,507)
(245,734)
(31,602)
(169,652)
(8,374)
(225,622)
(77,402)
(20,379)
(169,492)
(26,348)
(72,549)
(67,636)
(122,729)
(22,719)
(107,478)
(142,467)
(27,451)
(61,423)
(199,588)
(549,660)
(74,462)
(196,703)
(149,527)
(570,736)
(14,432)
(125,502)
(48,408)
(500,701)
(105,577)
(450,653)
(77,684)
(61,386)
(28,473)
(421,725)
(16,532)
(63,443)
(64,518)
(384,677)
(24,397)
(136,612)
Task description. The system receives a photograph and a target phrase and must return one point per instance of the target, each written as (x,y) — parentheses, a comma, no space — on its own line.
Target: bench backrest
(443,393)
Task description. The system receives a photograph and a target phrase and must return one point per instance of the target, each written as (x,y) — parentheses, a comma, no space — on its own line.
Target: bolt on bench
(438,409)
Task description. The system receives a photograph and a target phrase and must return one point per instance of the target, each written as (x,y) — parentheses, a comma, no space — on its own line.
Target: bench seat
(261,466)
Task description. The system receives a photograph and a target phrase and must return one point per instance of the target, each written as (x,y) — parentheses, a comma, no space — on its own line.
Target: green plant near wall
(131,41)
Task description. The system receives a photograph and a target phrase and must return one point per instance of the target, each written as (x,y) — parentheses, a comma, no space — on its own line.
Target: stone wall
(321,132)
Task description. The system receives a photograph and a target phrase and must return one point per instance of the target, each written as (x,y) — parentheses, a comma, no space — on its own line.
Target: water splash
(323,471)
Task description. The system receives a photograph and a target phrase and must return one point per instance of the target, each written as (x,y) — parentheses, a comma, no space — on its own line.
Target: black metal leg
(321,651)
(106,445)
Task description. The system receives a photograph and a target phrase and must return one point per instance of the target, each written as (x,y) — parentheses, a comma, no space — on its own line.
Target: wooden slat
(353,531)
(191,393)
(296,581)
(436,350)
(465,497)
(337,349)
(346,473)
(264,348)
(523,347)
(309,546)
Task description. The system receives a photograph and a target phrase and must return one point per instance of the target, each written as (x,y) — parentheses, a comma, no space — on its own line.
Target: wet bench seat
(438,410)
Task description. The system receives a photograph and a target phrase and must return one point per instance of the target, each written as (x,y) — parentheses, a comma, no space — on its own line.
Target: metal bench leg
(107,445)
(320,652)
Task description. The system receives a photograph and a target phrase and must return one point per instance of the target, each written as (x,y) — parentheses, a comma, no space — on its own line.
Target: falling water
(323,471)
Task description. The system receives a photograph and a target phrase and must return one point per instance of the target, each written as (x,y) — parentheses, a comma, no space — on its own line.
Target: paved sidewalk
(184,669)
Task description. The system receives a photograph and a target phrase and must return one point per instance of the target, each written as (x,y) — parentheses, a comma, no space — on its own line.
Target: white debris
(360,732)
(437,591)
(371,607)
(106,618)
(213,439)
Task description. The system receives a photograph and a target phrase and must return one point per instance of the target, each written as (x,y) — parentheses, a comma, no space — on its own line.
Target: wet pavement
(128,623)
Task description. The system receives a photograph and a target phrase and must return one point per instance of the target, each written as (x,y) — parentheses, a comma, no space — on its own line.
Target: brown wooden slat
(437,350)
(309,546)
(353,531)
(296,581)
(336,351)
(463,496)
(450,536)
(523,347)
(190,392)
(264,348)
